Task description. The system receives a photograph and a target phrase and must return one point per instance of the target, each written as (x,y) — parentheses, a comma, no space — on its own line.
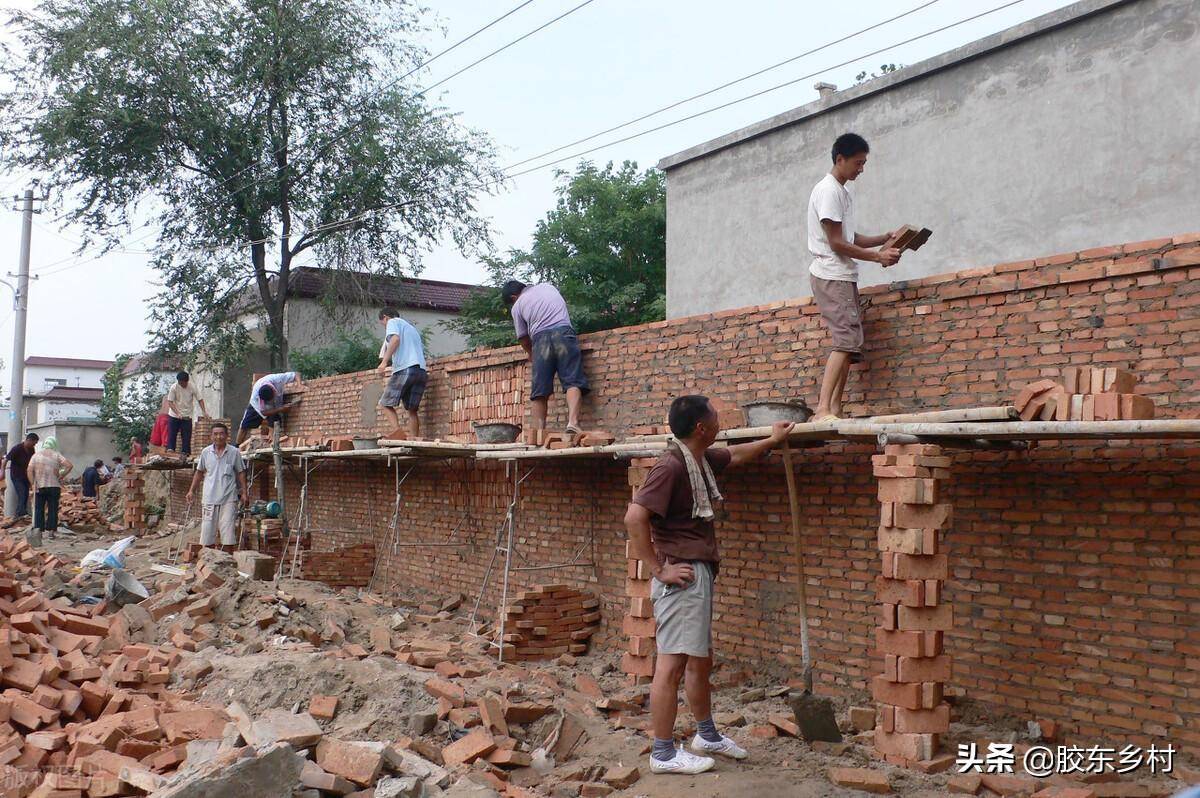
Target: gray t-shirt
(220,474)
(833,201)
(539,308)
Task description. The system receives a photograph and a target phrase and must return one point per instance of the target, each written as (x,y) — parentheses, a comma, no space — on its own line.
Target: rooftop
(68,362)
(63,392)
(375,289)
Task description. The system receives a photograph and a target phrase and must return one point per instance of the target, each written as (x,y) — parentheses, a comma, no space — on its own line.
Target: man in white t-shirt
(835,244)
(267,402)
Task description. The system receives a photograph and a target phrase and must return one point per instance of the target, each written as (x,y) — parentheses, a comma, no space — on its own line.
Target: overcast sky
(608,62)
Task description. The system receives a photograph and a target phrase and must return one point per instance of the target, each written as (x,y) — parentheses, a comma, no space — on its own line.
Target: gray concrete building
(1076,129)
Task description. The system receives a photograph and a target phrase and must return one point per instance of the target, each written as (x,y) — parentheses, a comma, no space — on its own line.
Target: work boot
(683,762)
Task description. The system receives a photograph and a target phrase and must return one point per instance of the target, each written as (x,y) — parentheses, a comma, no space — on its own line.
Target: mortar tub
(497,432)
(766,413)
(366,443)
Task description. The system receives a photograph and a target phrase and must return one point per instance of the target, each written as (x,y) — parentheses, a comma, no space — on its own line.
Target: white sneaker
(726,747)
(683,762)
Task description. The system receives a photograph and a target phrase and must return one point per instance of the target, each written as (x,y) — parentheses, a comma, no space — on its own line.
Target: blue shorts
(556,351)
(252,419)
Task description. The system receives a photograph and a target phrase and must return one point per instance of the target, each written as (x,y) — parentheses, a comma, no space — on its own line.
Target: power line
(776,87)
(716,89)
(228,180)
(499,50)
(363,214)
(340,134)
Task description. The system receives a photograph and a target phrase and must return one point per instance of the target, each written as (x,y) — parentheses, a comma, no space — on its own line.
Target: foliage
(130,413)
(255,132)
(884,69)
(350,351)
(604,247)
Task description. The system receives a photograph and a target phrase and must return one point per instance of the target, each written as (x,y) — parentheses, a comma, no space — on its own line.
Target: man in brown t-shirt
(670,524)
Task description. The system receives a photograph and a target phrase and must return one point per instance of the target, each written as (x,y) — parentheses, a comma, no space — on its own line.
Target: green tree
(129,412)
(349,352)
(604,247)
(257,131)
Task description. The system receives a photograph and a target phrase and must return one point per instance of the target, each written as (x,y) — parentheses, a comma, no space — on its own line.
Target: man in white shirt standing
(835,244)
(180,399)
(224,473)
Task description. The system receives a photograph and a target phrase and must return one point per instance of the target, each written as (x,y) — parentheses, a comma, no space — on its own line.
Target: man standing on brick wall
(180,399)
(224,473)
(835,243)
(544,329)
(670,524)
(404,356)
(267,403)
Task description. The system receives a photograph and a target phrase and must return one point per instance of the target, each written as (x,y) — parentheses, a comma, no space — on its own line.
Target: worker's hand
(245,498)
(889,257)
(677,574)
(382,369)
(780,430)
(189,497)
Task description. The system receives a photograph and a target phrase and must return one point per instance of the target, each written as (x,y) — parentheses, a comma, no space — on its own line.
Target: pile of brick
(638,625)
(913,615)
(83,714)
(134,517)
(1084,394)
(561,440)
(550,620)
(74,509)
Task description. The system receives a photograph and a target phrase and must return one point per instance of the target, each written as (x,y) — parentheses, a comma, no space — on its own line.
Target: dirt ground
(268,668)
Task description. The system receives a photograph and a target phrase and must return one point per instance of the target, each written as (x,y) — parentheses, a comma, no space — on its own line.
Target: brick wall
(1075,568)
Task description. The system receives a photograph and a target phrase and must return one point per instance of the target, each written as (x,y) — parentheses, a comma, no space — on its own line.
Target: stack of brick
(135,497)
(346,566)
(86,712)
(550,620)
(1085,394)
(913,615)
(638,626)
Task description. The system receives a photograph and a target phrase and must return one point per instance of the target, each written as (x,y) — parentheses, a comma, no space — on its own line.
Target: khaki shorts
(216,518)
(684,614)
(838,301)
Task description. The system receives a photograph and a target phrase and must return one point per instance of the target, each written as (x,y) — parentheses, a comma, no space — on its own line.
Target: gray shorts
(840,308)
(684,614)
(405,387)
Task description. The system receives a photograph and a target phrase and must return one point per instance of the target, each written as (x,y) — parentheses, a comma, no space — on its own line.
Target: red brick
(909,746)
(861,779)
(323,707)
(467,749)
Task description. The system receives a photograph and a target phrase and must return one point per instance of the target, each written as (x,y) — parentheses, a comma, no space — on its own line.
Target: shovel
(814,715)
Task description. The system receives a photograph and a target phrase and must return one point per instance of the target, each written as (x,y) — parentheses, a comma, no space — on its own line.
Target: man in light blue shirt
(404,356)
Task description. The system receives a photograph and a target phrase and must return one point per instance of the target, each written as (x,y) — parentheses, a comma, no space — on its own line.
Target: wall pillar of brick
(914,616)
(638,625)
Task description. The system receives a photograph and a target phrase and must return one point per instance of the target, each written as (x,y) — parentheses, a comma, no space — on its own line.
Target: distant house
(326,302)
(148,366)
(62,398)
(61,388)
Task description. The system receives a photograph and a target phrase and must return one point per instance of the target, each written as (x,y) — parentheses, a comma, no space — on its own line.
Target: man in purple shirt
(544,329)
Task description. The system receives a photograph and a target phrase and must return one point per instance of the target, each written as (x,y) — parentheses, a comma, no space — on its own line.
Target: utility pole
(16,421)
